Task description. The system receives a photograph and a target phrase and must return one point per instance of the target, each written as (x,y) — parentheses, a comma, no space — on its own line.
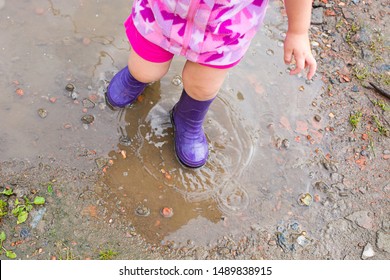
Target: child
(213,35)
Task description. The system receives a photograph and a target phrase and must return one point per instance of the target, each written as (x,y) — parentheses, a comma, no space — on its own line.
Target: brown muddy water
(257,128)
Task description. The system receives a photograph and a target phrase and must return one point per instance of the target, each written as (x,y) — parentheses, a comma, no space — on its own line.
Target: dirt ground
(350,171)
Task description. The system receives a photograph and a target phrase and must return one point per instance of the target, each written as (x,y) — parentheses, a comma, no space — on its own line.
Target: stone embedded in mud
(270,52)
(87,103)
(125,140)
(322,186)
(362,219)
(142,211)
(101,162)
(302,240)
(177,80)
(286,143)
(37,217)
(166,212)
(70,87)
(355,88)
(87,119)
(317,16)
(42,113)
(278,143)
(368,252)
(74,95)
(24,233)
(383,241)
(305,199)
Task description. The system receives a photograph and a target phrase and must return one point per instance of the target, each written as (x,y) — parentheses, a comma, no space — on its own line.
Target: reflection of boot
(190,141)
(123,89)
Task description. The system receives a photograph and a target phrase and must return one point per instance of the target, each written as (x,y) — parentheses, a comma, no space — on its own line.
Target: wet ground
(276,184)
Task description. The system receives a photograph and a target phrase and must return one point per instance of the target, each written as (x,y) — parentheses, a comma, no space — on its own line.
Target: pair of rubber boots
(187,117)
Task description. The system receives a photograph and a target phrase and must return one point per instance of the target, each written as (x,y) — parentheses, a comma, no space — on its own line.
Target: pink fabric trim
(222,66)
(144,48)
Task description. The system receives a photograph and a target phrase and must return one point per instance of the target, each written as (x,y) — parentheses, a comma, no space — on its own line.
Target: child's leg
(201,84)
(146,71)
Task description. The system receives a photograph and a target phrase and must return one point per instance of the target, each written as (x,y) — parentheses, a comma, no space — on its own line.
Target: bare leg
(202,82)
(146,71)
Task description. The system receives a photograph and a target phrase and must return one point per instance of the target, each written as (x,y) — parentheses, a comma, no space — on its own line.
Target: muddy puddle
(261,128)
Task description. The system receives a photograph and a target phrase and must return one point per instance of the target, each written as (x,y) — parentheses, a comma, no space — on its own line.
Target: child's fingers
(287,56)
(312,64)
(299,64)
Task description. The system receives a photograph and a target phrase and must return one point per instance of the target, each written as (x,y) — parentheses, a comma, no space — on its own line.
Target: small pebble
(355,88)
(315,44)
(74,95)
(125,141)
(19,92)
(302,240)
(305,199)
(69,87)
(87,103)
(286,143)
(42,113)
(177,81)
(24,233)
(270,52)
(142,211)
(166,212)
(317,118)
(87,119)
(368,252)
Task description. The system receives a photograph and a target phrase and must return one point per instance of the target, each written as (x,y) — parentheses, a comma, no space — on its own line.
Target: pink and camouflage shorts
(216,33)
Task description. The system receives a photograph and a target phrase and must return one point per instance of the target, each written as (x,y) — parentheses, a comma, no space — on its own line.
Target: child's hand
(298,46)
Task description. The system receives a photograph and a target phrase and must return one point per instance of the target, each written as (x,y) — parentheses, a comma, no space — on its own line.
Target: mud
(274,140)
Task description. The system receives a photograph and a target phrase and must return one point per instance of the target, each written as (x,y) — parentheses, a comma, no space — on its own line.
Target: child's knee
(200,91)
(146,71)
(202,82)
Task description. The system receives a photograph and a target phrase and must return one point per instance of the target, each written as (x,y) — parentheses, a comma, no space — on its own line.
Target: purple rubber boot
(187,117)
(123,89)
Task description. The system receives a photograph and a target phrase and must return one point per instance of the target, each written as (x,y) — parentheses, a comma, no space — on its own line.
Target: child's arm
(297,42)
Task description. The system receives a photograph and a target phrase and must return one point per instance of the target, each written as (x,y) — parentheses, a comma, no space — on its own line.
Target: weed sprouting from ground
(354,119)
(107,255)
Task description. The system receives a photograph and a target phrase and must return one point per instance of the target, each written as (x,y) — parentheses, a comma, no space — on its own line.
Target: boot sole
(116,108)
(174,144)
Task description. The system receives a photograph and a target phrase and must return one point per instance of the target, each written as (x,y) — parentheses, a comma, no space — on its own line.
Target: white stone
(368,252)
